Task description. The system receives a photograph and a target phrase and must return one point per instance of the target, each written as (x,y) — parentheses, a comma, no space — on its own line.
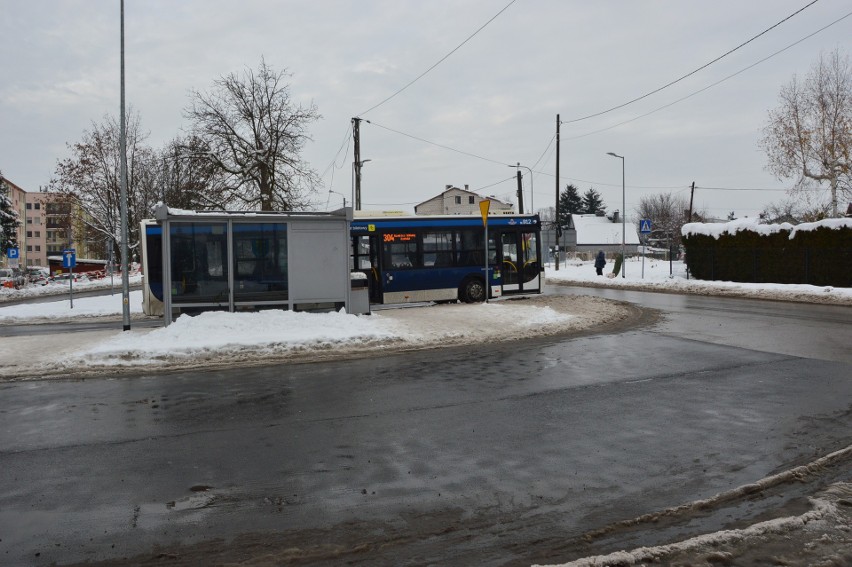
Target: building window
(470,200)
(29,220)
(458,200)
(29,234)
(38,234)
(29,248)
(38,248)
(37,206)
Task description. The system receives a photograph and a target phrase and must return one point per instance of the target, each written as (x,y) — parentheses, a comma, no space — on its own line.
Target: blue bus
(441,258)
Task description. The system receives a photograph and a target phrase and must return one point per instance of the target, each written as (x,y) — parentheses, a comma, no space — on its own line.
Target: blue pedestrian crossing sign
(13,253)
(69,258)
(645,226)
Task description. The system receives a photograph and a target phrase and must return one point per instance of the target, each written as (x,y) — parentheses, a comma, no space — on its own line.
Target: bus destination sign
(399,236)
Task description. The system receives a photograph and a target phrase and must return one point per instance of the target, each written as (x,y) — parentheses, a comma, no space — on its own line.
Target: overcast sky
(493,101)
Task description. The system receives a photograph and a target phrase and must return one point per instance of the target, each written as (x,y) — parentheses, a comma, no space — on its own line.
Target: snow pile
(824,517)
(822,511)
(266,332)
(716,230)
(834,224)
(220,338)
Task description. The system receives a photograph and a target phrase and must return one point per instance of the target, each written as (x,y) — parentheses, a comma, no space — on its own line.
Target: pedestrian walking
(600,262)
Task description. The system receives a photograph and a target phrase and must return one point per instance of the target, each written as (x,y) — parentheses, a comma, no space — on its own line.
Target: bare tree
(809,135)
(667,213)
(254,133)
(806,208)
(189,179)
(90,178)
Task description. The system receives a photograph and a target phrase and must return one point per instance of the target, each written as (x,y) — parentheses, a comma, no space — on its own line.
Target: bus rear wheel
(472,291)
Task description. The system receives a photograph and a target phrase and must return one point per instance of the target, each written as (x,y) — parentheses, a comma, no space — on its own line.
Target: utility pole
(520,195)
(125,282)
(356,134)
(556,221)
(691,195)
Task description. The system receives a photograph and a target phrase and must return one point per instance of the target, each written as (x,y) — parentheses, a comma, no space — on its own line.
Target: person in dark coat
(600,262)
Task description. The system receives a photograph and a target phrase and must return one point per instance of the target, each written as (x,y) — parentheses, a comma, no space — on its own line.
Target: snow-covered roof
(593,230)
(716,230)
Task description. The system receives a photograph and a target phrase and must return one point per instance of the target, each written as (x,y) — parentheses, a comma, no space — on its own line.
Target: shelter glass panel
(199,262)
(260,262)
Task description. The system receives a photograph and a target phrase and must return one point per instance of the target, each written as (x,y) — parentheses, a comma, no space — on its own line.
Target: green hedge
(821,257)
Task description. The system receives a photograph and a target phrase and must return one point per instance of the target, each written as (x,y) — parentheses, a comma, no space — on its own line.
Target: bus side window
(469,248)
(438,248)
(401,254)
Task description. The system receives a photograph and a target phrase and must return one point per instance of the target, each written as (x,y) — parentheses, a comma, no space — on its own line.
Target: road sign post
(69,260)
(644,229)
(484,205)
(13,254)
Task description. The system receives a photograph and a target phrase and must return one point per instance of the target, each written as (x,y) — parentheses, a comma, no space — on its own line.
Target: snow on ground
(819,537)
(60,308)
(659,275)
(61,289)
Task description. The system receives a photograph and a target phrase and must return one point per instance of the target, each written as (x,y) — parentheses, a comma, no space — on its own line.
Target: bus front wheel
(473,291)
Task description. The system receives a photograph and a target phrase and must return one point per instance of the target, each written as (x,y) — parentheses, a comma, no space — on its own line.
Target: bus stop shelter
(247,261)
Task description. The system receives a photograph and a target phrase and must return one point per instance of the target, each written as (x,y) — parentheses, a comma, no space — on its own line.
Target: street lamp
(532,208)
(623,214)
(341,194)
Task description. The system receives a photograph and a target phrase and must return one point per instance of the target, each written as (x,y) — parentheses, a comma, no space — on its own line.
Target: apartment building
(45,229)
(19,199)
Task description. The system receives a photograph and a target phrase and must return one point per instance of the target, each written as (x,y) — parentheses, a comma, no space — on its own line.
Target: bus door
(521,267)
(367,260)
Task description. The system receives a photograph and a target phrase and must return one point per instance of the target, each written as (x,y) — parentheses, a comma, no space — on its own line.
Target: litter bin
(359,300)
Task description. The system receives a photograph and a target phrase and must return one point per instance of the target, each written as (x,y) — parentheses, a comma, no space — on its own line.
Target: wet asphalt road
(497,455)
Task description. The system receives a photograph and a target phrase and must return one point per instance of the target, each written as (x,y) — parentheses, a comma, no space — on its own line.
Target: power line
(438,145)
(512,178)
(550,143)
(708,87)
(667,85)
(736,189)
(346,139)
(621,123)
(441,60)
(627,121)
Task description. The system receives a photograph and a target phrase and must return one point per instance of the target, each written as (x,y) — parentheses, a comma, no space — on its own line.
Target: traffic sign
(69,258)
(645,226)
(483,209)
(13,253)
